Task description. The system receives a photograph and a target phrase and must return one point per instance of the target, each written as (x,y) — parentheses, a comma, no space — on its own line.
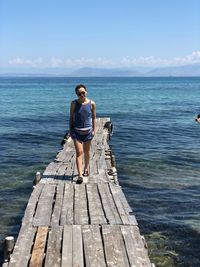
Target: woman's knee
(79,152)
(86,147)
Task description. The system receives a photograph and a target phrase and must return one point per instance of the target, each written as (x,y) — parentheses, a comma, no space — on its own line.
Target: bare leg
(79,155)
(86,149)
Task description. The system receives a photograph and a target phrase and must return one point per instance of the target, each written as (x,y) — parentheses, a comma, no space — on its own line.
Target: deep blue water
(156,143)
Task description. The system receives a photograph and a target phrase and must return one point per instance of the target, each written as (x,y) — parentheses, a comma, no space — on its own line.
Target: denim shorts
(81,137)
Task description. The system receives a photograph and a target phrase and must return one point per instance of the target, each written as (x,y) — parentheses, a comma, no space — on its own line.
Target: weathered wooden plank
(109,207)
(31,206)
(39,247)
(67,212)
(72,248)
(23,246)
(103,176)
(137,254)
(69,172)
(93,167)
(80,205)
(125,204)
(55,220)
(53,254)
(114,246)
(96,212)
(75,172)
(125,217)
(65,155)
(97,173)
(55,170)
(102,140)
(51,169)
(93,246)
(45,205)
(123,198)
(98,121)
(93,145)
(61,171)
(93,158)
(104,143)
(102,160)
(99,145)
(67,259)
(101,167)
(77,246)
(48,180)
(133,220)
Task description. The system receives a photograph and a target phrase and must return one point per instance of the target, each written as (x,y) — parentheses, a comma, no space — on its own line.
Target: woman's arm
(71,117)
(94,116)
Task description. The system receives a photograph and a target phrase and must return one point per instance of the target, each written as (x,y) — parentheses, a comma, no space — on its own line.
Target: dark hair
(79,86)
(198,116)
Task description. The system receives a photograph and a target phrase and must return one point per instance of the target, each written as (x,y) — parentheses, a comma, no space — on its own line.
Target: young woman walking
(82,127)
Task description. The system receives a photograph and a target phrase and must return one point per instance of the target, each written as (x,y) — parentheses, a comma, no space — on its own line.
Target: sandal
(79,180)
(85,173)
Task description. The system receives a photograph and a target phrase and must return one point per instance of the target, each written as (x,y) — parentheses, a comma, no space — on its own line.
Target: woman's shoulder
(92,102)
(73,102)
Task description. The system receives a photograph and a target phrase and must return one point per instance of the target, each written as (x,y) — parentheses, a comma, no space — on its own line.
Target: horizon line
(29,75)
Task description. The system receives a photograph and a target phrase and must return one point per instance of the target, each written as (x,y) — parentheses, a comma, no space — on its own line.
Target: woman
(82,128)
(198,118)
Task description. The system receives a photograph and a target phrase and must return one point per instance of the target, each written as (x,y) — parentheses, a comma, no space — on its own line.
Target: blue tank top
(83,115)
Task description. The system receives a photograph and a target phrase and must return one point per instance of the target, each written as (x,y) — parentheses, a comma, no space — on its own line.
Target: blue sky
(107,33)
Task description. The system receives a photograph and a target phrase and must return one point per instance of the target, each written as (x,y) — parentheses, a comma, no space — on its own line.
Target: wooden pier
(80,225)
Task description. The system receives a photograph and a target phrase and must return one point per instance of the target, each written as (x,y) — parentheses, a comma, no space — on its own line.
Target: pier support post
(8,247)
(144,242)
(113,162)
(109,126)
(65,138)
(37,178)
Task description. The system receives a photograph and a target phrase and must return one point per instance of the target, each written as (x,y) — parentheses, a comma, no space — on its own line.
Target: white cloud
(126,61)
(193,58)
(56,62)
(190,59)
(142,61)
(26,62)
(89,62)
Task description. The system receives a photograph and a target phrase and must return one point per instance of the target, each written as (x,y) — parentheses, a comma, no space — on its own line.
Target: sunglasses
(81,93)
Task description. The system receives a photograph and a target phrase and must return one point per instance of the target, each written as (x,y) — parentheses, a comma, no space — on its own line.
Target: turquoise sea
(156,142)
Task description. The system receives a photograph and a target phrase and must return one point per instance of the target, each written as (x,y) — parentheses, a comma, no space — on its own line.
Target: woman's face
(81,93)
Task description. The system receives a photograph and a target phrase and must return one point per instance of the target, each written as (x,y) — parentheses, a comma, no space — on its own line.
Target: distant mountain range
(181,71)
(102,72)
(187,70)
